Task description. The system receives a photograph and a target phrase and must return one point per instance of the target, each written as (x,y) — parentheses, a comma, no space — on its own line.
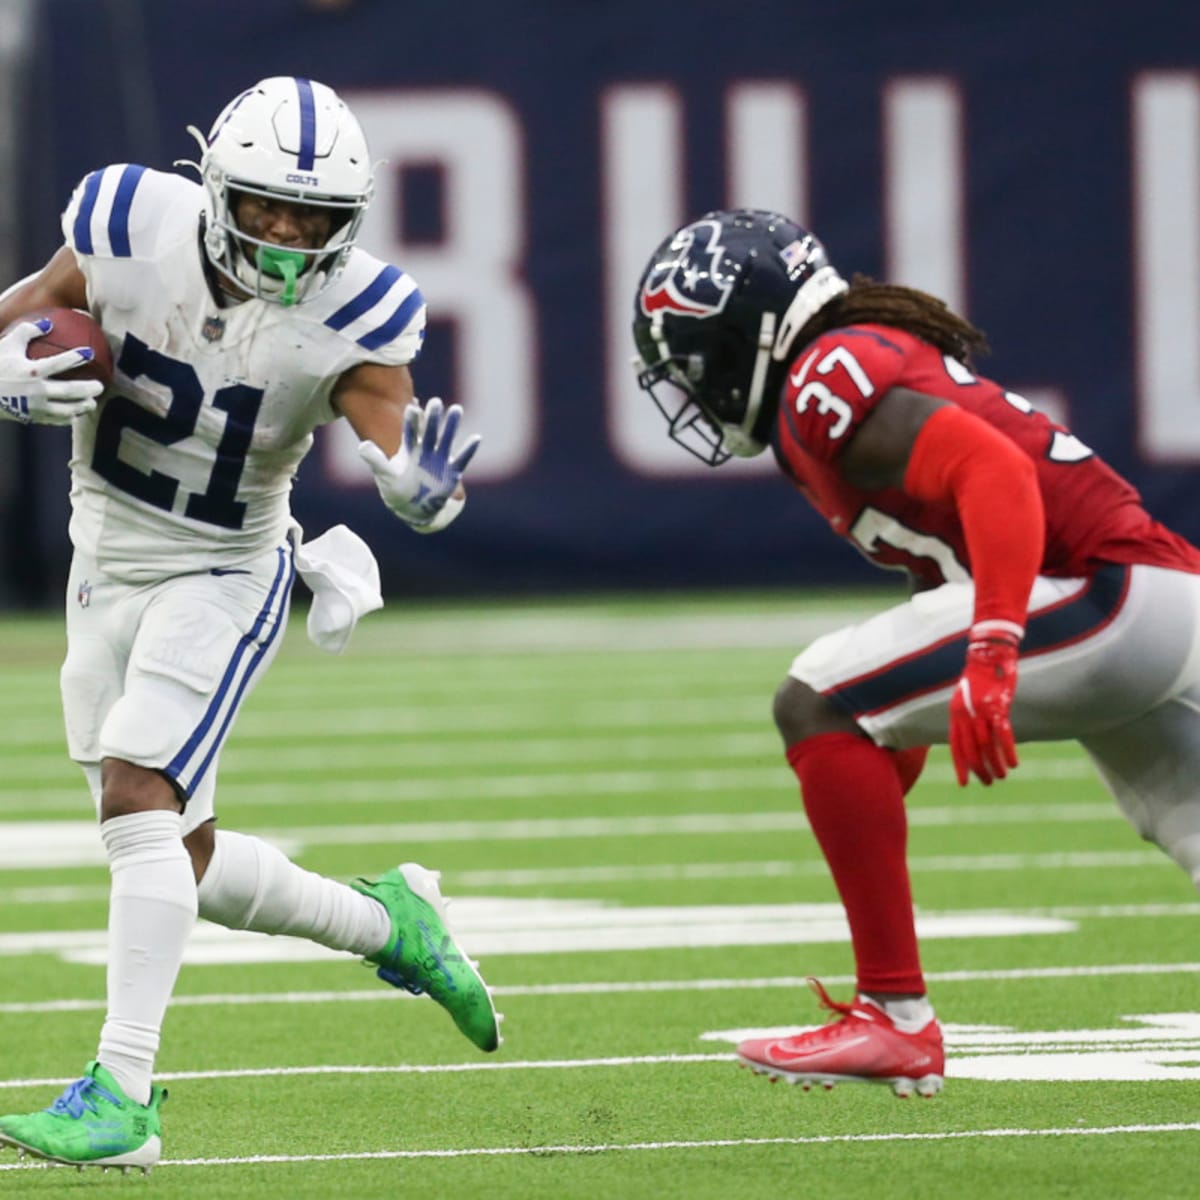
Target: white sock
(909,1016)
(249,884)
(151,911)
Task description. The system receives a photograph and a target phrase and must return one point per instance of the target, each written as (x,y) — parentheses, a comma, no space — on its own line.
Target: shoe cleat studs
(827,1084)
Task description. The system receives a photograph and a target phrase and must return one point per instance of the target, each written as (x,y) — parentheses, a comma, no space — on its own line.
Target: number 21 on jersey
(218,503)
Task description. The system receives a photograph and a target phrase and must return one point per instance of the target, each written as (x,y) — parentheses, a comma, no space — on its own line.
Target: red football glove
(981,736)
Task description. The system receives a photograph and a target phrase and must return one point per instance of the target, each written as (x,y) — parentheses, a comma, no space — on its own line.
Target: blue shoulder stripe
(118,220)
(395,324)
(83,218)
(366,299)
(118,217)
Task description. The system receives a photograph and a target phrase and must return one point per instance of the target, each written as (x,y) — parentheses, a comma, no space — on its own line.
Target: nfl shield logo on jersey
(85,594)
(213,329)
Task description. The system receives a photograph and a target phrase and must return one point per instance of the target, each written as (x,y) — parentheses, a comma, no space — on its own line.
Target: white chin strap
(738,443)
(737,439)
(774,346)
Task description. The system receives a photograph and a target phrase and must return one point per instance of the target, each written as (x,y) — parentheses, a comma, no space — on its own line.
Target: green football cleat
(92,1124)
(422,957)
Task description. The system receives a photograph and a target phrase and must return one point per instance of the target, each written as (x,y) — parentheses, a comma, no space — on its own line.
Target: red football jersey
(1093,516)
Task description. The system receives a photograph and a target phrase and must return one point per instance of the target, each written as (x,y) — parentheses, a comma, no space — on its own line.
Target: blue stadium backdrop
(1038,165)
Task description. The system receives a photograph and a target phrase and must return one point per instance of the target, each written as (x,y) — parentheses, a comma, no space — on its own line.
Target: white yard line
(566,748)
(622,987)
(554,828)
(638,1147)
(515,717)
(668,872)
(27,845)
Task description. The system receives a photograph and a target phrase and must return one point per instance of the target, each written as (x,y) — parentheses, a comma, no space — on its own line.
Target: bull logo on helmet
(689,284)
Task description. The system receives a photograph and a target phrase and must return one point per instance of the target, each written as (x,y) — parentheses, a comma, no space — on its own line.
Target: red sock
(855,805)
(909,765)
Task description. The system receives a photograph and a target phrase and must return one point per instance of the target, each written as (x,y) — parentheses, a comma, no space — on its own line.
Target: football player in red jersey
(1048,604)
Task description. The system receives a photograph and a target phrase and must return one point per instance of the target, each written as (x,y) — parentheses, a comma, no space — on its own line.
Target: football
(71,330)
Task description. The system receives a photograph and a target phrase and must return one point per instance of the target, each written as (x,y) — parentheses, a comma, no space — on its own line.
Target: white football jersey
(187,462)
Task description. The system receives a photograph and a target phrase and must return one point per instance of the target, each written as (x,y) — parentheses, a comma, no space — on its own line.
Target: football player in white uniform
(241,315)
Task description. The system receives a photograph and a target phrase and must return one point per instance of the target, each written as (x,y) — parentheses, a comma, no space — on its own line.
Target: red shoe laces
(827,1001)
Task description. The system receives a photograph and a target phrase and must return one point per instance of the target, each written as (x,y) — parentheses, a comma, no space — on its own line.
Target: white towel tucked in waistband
(343,576)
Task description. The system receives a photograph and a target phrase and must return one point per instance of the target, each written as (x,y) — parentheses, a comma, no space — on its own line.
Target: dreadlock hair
(869,302)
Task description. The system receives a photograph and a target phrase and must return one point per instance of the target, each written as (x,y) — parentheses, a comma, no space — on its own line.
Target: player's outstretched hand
(981,735)
(418,480)
(28,391)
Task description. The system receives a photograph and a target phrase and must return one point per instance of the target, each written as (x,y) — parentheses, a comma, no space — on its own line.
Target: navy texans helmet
(717,312)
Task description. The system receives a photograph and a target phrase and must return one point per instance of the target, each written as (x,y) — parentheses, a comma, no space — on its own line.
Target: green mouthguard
(282,264)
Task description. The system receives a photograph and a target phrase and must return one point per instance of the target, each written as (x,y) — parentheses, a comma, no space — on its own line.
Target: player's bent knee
(800,712)
(200,844)
(127,788)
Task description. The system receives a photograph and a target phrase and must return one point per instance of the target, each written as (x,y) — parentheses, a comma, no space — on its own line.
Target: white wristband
(997,629)
(447,513)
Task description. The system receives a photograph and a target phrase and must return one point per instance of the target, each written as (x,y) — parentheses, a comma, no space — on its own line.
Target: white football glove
(28,391)
(418,482)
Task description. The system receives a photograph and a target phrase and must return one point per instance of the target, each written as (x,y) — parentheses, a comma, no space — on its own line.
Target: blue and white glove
(28,393)
(418,482)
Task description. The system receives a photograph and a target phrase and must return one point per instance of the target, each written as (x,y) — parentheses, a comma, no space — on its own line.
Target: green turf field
(601,786)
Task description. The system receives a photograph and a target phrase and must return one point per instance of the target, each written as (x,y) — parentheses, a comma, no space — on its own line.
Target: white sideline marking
(624,987)
(539,1064)
(29,845)
(490,927)
(1160,1046)
(631,1147)
(779,868)
(1163,1047)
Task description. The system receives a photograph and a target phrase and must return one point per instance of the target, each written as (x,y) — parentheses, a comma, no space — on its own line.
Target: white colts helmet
(283,139)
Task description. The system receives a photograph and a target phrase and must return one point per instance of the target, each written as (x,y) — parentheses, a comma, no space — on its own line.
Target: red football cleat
(864,1046)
